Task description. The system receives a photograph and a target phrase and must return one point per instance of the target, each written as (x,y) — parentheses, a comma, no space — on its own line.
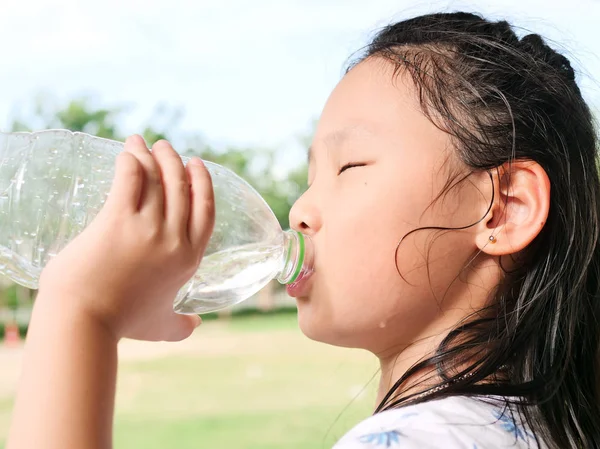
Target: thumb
(182,326)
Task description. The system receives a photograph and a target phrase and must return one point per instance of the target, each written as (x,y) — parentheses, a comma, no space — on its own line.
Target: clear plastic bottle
(54,182)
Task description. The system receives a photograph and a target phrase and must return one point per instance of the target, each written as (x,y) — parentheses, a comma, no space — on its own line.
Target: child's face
(356,219)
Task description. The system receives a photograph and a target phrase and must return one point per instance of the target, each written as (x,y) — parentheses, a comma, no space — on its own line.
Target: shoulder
(451,423)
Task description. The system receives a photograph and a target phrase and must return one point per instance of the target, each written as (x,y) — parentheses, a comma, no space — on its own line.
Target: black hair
(503,98)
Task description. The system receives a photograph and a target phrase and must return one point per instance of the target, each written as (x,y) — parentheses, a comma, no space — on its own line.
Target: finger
(182,326)
(127,184)
(176,186)
(202,205)
(152,197)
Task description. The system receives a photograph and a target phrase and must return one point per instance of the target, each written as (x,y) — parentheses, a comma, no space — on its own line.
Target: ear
(519,210)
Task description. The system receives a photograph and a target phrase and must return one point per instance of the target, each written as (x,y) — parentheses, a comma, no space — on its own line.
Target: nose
(305,216)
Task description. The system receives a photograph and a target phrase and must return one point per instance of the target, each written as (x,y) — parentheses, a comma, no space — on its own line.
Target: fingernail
(199,322)
(196,161)
(132,137)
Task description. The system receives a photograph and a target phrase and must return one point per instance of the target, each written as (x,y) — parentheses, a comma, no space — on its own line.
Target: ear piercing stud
(492,239)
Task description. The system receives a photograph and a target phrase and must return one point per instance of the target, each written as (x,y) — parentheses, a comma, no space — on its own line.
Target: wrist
(51,309)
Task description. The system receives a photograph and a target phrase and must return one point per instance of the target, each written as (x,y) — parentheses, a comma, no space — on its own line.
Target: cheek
(362,229)
(359,242)
(359,291)
(358,284)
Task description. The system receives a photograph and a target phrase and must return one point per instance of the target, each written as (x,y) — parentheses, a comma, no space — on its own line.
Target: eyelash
(351,165)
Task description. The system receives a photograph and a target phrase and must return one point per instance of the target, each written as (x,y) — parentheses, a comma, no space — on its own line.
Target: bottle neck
(298,257)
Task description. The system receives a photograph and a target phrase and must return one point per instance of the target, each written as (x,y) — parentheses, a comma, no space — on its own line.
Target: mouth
(301,286)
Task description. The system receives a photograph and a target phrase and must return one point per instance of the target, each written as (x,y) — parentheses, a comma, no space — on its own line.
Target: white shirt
(449,423)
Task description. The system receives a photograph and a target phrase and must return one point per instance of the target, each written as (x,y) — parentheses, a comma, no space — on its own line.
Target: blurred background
(239,83)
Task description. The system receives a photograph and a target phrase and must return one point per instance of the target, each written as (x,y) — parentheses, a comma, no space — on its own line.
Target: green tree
(80,114)
(77,115)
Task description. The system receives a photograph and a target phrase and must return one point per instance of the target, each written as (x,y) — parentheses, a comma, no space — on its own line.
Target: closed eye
(351,165)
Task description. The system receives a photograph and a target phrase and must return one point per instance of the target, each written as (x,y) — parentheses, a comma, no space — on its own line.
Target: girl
(454,208)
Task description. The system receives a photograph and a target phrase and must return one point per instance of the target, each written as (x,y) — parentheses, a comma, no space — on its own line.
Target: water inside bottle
(52,184)
(228,277)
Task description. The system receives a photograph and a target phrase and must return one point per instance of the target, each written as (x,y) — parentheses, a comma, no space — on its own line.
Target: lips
(301,286)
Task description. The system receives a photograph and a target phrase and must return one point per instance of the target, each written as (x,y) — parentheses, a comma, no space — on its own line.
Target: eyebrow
(338,137)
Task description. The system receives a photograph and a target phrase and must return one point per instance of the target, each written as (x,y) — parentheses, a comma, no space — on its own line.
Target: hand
(126,267)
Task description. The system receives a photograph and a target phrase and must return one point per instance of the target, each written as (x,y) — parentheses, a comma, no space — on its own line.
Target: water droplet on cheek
(382,325)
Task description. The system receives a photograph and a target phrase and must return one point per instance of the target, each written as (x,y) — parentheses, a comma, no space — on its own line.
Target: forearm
(66,393)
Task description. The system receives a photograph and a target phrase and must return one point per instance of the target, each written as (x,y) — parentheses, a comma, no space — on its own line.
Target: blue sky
(244,72)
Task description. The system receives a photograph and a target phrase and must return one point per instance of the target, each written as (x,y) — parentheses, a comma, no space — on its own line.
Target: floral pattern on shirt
(449,423)
(510,425)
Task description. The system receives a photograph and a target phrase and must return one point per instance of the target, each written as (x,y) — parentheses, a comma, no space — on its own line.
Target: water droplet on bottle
(33,234)
(18,241)
(41,250)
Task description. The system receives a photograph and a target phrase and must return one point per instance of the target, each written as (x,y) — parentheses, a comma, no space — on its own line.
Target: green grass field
(254,382)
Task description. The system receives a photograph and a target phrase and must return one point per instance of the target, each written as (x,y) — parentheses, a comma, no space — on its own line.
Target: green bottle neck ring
(298,257)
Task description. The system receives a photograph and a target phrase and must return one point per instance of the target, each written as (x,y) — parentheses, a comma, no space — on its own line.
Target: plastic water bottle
(53,183)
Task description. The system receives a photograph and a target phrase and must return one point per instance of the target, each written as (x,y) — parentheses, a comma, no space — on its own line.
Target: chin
(310,323)
(319,326)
